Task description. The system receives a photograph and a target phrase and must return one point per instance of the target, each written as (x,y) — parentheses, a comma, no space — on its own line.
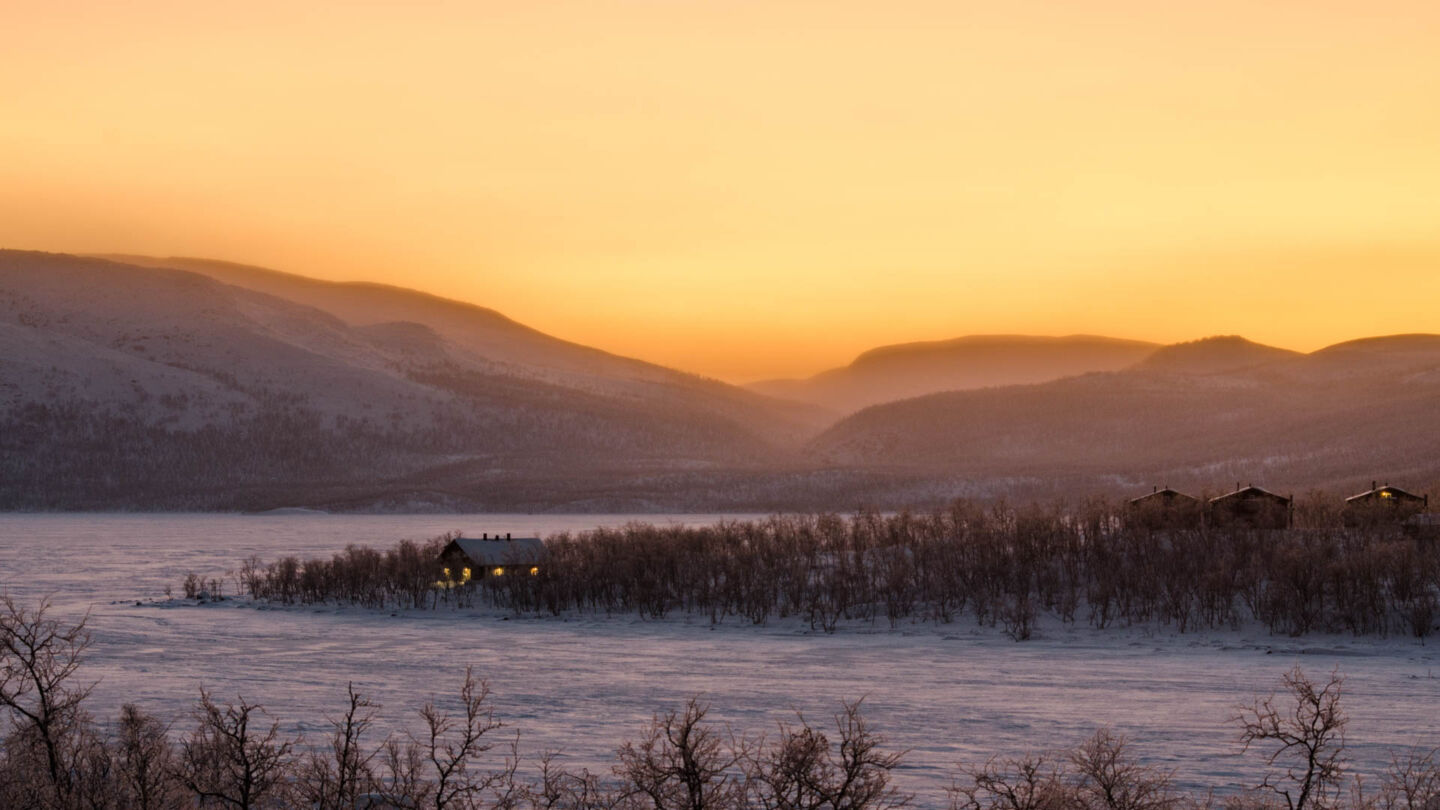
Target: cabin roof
(1386,491)
(1166,494)
(1247,492)
(486,552)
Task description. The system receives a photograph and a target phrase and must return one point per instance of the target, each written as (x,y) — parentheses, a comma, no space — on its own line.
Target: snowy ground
(950,693)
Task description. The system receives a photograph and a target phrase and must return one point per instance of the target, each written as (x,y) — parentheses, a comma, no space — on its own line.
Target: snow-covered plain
(949,693)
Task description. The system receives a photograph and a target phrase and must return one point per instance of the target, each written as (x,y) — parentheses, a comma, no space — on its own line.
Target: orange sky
(754,189)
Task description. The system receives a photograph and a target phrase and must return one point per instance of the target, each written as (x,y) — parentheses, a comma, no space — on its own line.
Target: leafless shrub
(232,760)
(561,789)
(1307,740)
(1108,778)
(439,767)
(1025,783)
(336,777)
(681,762)
(39,658)
(803,770)
(1412,782)
(145,762)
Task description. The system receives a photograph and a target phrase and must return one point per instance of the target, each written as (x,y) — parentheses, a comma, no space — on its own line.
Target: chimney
(485,536)
(507,535)
(1373,486)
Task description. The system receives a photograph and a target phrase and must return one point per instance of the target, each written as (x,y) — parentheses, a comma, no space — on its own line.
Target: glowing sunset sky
(753,189)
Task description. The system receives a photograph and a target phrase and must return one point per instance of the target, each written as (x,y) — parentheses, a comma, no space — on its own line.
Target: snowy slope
(153,376)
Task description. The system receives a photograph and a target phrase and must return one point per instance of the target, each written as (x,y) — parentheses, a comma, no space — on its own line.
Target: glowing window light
(1387,495)
(447,572)
(499,572)
(464,574)
(534,570)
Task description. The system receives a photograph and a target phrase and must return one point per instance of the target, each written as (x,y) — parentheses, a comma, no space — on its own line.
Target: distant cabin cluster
(1252,507)
(467,558)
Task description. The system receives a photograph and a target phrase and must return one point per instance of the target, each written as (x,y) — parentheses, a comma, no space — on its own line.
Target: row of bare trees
(1001,565)
(403,575)
(55,756)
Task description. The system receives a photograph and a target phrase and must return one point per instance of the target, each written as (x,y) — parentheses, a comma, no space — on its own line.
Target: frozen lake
(950,693)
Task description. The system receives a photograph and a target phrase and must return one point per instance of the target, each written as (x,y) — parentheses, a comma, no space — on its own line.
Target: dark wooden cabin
(1251,507)
(466,558)
(1382,505)
(1166,509)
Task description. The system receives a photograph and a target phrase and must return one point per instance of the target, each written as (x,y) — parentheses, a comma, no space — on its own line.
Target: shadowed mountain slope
(123,385)
(909,370)
(512,348)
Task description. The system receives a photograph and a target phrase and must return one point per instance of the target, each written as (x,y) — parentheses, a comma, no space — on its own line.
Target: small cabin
(1383,505)
(467,558)
(1251,507)
(1166,508)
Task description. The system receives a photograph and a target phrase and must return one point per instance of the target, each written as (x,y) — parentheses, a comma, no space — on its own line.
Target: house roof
(1166,494)
(1386,491)
(486,552)
(1252,491)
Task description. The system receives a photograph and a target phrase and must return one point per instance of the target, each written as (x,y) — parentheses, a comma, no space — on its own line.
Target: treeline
(79,456)
(999,566)
(54,755)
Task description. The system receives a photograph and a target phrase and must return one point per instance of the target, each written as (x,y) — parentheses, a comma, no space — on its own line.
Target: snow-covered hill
(122,384)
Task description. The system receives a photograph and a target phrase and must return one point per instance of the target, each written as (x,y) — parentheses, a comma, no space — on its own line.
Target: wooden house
(1166,509)
(466,558)
(1383,505)
(1251,507)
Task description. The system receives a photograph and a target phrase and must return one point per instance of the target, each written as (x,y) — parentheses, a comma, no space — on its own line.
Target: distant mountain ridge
(1332,418)
(907,370)
(1214,354)
(189,384)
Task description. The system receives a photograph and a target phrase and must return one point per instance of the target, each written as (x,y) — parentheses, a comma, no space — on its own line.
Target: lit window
(447,573)
(1386,495)
(534,570)
(498,572)
(464,574)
